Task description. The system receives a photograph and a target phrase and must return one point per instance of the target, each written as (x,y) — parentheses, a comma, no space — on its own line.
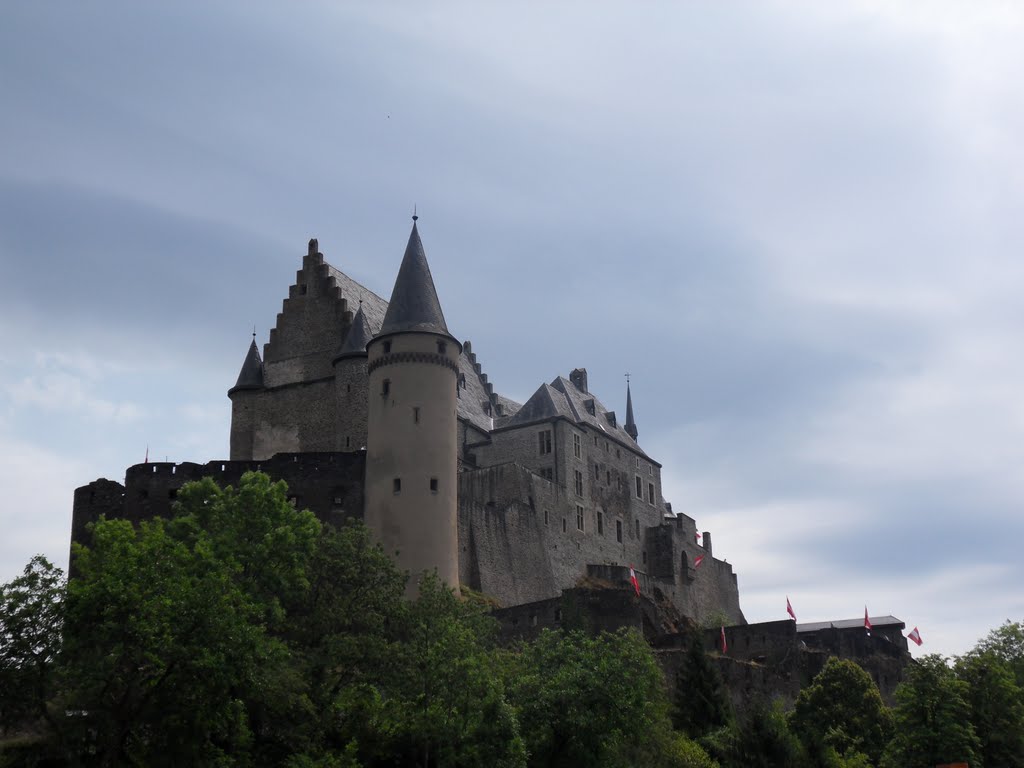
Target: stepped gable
(358,336)
(478,403)
(251,375)
(414,307)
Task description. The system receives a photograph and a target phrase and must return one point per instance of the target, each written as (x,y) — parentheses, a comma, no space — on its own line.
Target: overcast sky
(798,225)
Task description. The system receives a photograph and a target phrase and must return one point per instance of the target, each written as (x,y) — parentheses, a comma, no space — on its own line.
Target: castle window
(396,485)
(597,472)
(337,501)
(558,614)
(650,469)
(645,557)
(618,454)
(415,414)
(442,348)
(639,487)
(650,493)
(433,485)
(544,441)
(618,531)
(579,482)
(545,517)
(565,527)
(600,524)
(595,439)
(348,389)
(638,527)
(387,347)
(348,442)
(385,388)
(548,473)
(638,462)
(577,446)
(607,447)
(579,517)
(608,478)
(172,494)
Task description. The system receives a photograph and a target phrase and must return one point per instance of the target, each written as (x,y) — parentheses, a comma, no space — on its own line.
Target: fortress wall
(329,484)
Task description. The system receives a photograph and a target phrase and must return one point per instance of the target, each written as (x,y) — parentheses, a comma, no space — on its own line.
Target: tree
(842,709)
(596,701)
(445,699)
(760,739)
(1006,643)
(932,718)
(31,620)
(997,710)
(160,649)
(700,704)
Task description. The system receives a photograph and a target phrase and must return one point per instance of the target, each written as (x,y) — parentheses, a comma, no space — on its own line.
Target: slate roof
(373,306)
(251,375)
(562,398)
(357,338)
(876,621)
(414,306)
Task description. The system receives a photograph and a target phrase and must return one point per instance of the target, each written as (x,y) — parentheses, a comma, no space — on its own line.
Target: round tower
(412,435)
(245,399)
(350,385)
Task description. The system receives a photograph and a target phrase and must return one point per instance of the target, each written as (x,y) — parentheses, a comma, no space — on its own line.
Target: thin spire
(630,424)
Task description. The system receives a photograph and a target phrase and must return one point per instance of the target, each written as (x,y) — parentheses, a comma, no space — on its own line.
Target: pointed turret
(358,337)
(630,424)
(414,307)
(251,375)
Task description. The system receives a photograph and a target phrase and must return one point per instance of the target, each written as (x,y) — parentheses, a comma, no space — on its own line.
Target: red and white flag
(867,621)
(789,608)
(634,581)
(698,560)
(725,645)
(915,636)
(696,536)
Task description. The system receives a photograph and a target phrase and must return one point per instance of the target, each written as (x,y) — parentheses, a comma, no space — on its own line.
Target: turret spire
(630,424)
(357,338)
(414,306)
(251,375)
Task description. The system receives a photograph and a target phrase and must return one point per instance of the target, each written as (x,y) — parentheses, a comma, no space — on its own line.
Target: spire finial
(414,216)
(627,378)
(254,331)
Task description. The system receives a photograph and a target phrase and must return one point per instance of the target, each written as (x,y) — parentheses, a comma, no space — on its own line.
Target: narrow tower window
(650,492)
(385,388)
(579,517)
(544,441)
(618,531)
(387,347)
(638,527)
(396,485)
(433,485)
(416,414)
(442,348)
(639,487)
(600,524)
(577,447)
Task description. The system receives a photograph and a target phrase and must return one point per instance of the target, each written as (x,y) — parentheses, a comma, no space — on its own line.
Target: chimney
(579,379)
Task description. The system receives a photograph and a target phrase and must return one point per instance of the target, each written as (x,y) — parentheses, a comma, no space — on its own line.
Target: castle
(371,408)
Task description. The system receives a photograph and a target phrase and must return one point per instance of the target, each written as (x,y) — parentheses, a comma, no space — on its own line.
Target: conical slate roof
(630,424)
(251,375)
(358,337)
(414,306)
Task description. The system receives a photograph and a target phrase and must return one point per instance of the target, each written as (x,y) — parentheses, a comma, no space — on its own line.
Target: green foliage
(700,704)
(842,711)
(760,739)
(932,719)
(997,710)
(31,619)
(1007,644)
(586,700)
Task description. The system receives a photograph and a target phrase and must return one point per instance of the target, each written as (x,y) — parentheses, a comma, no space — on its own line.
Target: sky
(797,225)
